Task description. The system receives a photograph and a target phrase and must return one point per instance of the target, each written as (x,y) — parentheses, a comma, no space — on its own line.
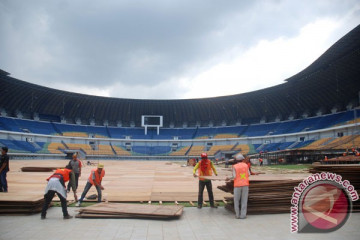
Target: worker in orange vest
(205,168)
(56,184)
(95,179)
(241,175)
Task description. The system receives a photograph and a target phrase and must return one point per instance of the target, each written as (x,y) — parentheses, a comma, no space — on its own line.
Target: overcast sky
(167,49)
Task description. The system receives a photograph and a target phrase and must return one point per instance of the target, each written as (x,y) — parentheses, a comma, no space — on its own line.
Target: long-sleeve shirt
(198,165)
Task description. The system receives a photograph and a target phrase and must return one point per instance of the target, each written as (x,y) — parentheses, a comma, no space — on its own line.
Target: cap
(100,165)
(204,155)
(239,157)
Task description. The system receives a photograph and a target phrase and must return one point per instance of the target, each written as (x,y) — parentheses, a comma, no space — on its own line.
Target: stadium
(315,111)
(293,147)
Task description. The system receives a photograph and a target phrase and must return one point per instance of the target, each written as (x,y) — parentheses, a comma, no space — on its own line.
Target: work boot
(68,217)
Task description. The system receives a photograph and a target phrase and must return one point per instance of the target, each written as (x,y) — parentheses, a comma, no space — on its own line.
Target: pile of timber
(343,159)
(265,197)
(10,204)
(350,172)
(128,210)
(274,196)
(38,169)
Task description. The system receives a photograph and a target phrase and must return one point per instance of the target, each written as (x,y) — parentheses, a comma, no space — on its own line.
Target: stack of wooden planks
(350,172)
(128,210)
(265,197)
(10,204)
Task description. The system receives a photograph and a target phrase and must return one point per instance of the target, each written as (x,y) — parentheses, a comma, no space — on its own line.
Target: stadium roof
(331,81)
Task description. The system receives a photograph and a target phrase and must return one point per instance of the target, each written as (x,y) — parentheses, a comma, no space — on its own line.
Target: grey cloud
(139,43)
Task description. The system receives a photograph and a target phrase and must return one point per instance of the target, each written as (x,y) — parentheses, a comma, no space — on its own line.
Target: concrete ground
(198,224)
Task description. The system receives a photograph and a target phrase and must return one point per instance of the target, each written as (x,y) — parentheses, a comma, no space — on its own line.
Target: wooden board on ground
(127,210)
(127,181)
(11,203)
(38,169)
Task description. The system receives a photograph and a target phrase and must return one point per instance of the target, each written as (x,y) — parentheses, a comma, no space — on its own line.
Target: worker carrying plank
(56,184)
(95,179)
(205,168)
(240,175)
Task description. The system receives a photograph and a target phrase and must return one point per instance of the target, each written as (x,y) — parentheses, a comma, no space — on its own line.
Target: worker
(261,161)
(76,167)
(56,184)
(4,168)
(205,168)
(239,158)
(95,179)
(240,175)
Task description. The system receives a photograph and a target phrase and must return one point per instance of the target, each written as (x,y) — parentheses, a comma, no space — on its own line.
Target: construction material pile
(10,204)
(265,197)
(350,172)
(128,210)
(344,159)
(274,196)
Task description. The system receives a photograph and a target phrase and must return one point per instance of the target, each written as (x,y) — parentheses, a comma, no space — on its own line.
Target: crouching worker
(95,179)
(56,184)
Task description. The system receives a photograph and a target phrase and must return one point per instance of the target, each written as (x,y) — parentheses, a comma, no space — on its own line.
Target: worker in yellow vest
(205,168)
(241,174)
(95,179)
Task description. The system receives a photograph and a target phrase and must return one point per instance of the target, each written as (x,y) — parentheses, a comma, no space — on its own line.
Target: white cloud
(266,64)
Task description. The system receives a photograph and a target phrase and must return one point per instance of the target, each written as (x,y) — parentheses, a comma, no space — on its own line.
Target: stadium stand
(55,147)
(217,148)
(290,115)
(120,151)
(196,150)
(315,145)
(340,142)
(225,135)
(102,150)
(181,152)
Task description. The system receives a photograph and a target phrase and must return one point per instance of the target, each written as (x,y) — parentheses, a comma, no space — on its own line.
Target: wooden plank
(133,210)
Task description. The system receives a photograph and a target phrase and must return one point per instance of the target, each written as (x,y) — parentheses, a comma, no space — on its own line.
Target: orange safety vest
(206,172)
(242,175)
(64,172)
(98,177)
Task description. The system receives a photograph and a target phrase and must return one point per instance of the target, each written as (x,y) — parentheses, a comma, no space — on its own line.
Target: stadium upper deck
(332,81)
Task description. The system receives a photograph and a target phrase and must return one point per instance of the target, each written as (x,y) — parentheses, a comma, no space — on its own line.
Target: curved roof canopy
(333,80)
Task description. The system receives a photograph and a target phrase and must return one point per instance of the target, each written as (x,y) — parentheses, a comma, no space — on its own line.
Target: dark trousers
(87,188)
(76,182)
(3,182)
(208,185)
(48,198)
